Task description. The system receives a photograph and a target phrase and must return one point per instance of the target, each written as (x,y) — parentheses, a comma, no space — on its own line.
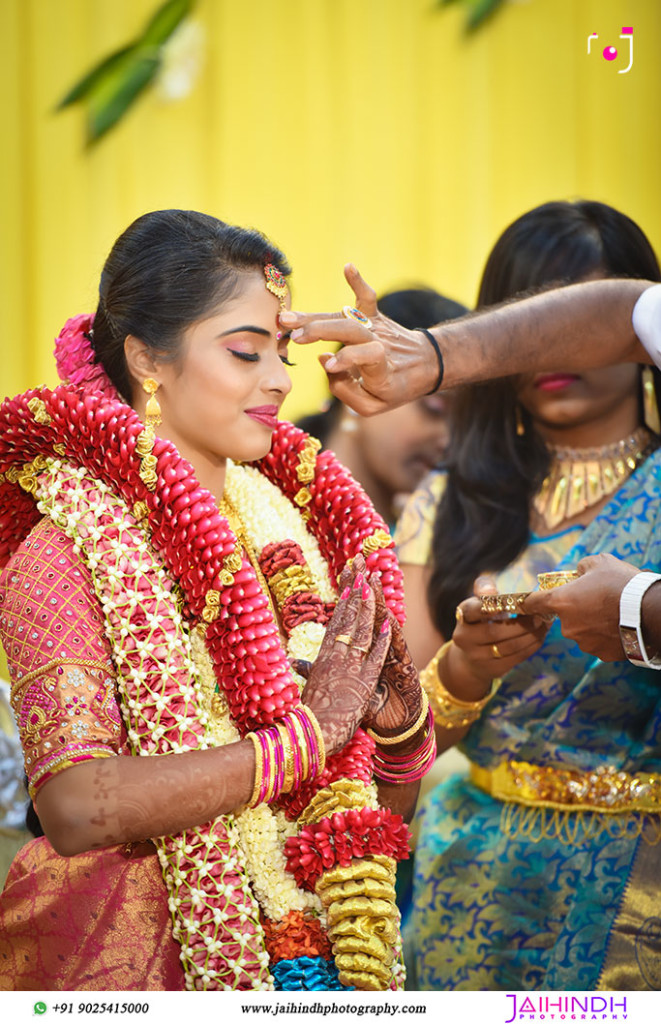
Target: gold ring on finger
(496,651)
(351,313)
(343,638)
(363,650)
(459,614)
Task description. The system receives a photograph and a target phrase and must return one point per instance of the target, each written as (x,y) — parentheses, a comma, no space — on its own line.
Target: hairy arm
(386,365)
(541,332)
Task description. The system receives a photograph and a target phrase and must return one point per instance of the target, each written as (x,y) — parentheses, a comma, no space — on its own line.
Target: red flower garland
(341,838)
(101,434)
(341,515)
(353,761)
(302,605)
(193,539)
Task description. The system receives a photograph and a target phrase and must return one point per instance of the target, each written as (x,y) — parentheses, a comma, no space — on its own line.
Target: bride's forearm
(112,800)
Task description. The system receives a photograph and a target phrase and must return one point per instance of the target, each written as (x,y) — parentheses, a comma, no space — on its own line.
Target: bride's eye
(248,357)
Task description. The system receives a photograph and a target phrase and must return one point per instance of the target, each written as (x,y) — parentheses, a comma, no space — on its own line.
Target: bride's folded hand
(341,681)
(397,702)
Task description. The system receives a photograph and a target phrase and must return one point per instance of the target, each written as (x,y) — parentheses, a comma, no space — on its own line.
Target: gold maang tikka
(276,283)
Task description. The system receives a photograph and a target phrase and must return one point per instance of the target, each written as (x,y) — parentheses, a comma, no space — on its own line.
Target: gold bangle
(302,746)
(312,718)
(288,755)
(270,787)
(449,711)
(387,741)
(259,769)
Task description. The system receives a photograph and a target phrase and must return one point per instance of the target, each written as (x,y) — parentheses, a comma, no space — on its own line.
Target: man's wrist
(631,626)
(646,320)
(440,369)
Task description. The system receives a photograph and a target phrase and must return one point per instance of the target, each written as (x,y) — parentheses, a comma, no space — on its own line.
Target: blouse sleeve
(415,529)
(63,680)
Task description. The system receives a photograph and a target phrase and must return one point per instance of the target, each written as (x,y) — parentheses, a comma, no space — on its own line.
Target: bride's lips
(554,381)
(266,414)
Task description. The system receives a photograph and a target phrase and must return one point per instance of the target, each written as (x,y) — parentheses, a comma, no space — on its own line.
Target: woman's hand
(342,680)
(379,367)
(490,645)
(397,701)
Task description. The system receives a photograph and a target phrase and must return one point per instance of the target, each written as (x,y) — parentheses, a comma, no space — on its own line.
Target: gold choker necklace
(582,477)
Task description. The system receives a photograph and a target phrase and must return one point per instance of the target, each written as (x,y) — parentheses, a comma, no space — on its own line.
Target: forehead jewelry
(276,283)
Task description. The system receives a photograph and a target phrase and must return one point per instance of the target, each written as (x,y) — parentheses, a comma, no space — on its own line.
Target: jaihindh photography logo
(555,1008)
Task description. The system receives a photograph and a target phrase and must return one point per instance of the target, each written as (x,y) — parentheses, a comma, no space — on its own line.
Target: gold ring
(496,651)
(459,614)
(343,638)
(351,313)
(363,650)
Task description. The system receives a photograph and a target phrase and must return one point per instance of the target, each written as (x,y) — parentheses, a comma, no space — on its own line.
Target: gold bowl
(549,580)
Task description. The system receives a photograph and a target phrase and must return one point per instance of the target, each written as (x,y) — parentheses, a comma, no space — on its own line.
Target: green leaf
(166,19)
(479,13)
(91,80)
(115,96)
(161,26)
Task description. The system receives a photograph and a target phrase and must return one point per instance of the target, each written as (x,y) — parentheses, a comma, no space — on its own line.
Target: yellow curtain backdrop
(363,130)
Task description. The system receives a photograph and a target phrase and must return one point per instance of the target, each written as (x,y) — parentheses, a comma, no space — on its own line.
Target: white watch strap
(630,619)
(646,320)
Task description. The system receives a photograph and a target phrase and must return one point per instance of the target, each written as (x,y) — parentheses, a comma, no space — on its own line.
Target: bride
(222,728)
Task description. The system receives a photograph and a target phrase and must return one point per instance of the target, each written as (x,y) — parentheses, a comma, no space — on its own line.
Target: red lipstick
(554,381)
(266,414)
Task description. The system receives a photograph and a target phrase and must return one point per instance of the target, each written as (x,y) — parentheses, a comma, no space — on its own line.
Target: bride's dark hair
(169,269)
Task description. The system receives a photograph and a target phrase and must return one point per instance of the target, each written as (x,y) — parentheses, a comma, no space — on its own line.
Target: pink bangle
(286,755)
(400,769)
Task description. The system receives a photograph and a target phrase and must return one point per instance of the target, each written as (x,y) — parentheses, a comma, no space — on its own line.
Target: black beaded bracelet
(439,355)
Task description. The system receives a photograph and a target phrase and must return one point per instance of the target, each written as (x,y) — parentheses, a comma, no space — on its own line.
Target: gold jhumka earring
(650,405)
(153,409)
(518,417)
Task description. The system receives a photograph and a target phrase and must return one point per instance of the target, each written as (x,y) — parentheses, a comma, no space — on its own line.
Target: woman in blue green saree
(539,868)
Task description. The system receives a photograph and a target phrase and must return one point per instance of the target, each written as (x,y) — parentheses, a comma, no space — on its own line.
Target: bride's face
(222,396)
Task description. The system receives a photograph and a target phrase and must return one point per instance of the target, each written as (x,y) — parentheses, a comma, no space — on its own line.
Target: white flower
(182,60)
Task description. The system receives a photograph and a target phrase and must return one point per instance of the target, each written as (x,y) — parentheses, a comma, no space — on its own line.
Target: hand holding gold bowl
(510,604)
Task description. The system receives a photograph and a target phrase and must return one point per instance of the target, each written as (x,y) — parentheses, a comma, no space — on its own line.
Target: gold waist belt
(605,790)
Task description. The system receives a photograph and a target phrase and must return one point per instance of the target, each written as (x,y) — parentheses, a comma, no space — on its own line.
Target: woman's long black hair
(482,522)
